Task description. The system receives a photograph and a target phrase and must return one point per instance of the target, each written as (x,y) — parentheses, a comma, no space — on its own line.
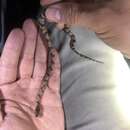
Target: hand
(110,19)
(22,67)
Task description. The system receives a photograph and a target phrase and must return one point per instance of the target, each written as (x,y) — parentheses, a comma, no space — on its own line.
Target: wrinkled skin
(22,67)
(109,19)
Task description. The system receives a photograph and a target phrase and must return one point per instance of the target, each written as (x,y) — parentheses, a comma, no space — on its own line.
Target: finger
(54,82)
(70,13)
(10,56)
(44,2)
(27,60)
(40,60)
(51,95)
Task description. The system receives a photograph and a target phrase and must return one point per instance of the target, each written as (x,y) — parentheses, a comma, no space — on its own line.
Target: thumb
(68,13)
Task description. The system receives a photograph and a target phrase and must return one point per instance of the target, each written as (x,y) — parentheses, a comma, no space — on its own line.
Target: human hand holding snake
(22,68)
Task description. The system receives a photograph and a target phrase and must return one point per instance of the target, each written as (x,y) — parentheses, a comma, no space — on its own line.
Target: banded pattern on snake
(44,31)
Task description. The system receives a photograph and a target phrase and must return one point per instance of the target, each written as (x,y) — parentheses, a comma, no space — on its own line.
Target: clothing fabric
(90,90)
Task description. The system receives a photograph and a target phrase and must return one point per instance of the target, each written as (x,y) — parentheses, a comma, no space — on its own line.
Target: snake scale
(44,31)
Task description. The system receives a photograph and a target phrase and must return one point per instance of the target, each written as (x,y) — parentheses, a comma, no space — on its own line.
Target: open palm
(22,68)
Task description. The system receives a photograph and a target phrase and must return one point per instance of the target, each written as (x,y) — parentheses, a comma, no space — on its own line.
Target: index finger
(45,2)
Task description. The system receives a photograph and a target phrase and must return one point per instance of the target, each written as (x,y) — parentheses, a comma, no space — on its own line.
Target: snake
(41,20)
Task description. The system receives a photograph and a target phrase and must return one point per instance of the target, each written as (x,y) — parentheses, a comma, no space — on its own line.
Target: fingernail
(53,14)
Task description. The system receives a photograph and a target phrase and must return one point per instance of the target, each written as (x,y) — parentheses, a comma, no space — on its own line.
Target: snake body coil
(45,82)
(44,31)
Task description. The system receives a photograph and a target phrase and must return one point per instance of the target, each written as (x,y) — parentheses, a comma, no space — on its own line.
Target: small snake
(44,31)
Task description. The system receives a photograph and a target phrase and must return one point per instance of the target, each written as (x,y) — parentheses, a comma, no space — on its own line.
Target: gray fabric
(87,87)
(128,61)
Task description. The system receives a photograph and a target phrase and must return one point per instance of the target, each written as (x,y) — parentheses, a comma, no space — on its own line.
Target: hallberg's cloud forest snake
(44,31)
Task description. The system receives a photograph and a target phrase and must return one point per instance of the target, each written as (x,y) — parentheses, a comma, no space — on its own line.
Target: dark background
(13,13)
(19,10)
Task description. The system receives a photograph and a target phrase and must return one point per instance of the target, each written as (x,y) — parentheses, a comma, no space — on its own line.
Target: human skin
(22,68)
(109,19)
